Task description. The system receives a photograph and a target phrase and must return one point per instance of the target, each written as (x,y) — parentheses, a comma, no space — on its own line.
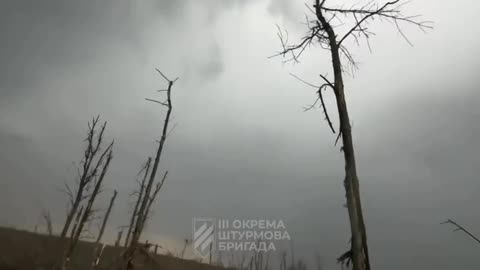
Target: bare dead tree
(461,228)
(91,199)
(324,30)
(146,169)
(48,221)
(186,242)
(104,161)
(87,171)
(148,199)
(98,252)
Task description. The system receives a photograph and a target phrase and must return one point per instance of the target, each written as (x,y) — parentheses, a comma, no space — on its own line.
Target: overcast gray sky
(243,147)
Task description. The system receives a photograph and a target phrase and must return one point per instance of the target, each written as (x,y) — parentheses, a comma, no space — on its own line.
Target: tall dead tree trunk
(141,192)
(321,31)
(148,196)
(359,250)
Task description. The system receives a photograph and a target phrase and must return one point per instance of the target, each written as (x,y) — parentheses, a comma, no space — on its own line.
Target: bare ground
(23,250)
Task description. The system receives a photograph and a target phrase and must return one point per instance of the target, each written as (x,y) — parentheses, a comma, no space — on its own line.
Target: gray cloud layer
(242,146)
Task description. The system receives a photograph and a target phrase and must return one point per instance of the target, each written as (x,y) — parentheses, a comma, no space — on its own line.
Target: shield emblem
(203,236)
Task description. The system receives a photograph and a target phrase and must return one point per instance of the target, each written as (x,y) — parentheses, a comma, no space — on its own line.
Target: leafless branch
(165,77)
(297,50)
(172,129)
(303,81)
(156,101)
(313,105)
(158,186)
(327,117)
(320,97)
(87,171)
(360,16)
(390,11)
(67,190)
(461,228)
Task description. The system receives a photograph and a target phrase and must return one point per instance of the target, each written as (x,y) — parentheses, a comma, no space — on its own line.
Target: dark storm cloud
(41,38)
